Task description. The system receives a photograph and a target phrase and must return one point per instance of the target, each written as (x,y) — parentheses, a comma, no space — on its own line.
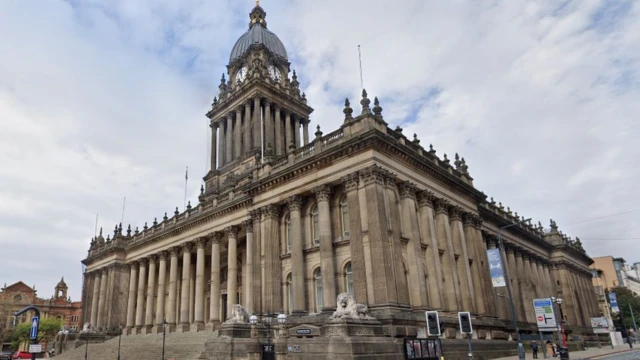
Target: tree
(47,331)
(626,297)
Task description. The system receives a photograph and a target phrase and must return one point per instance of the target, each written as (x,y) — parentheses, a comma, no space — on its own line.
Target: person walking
(534,348)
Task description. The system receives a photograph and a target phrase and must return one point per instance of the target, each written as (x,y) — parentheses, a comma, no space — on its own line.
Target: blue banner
(495,268)
(613,300)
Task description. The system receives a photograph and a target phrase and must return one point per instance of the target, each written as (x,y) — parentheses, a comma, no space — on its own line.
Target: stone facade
(285,222)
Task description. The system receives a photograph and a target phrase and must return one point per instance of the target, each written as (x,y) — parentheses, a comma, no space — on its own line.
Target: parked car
(5,355)
(22,355)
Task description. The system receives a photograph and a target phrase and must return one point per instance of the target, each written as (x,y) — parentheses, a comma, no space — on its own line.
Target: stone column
(502,305)
(95,301)
(296,130)
(214,144)
(229,139)
(356,242)
(173,288)
(305,131)
(151,286)
(102,303)
(278,125)
(462,263)
(238,133)
(528,288)
(476,269)
(162,280)
(257,128)
(490,297)
(451,284)
(287,131)
(142,276)
(222,157)
(131,301)
(258,240)
(247,127)
(432,255)
(272,275)
(184,293)
(214,315)
(192,292)
(297,256)
(232,268)
(268,125)
(248,283)
(550,279)
(513,273)
(520,281)
(394,242)
(322,194)
(199,305)
(409,219)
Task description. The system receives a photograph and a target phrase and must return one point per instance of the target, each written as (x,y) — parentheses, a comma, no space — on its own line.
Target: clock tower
(260,111)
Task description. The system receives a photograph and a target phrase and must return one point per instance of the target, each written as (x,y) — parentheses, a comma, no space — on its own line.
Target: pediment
(19,287)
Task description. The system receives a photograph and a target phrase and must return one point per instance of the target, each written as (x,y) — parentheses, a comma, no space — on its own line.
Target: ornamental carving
(373,175)
(426,198)
(294,203)
(255,214)
(442,206)
(218,236)
(163,255)
(152,259)
(408,190)
(142,262)
(201,242)
(455,213)
(469,219)
(174,251)
(477,223)
(186,248)
(351,182)
(271,211)
(322,192)
(232,231)
(248,225)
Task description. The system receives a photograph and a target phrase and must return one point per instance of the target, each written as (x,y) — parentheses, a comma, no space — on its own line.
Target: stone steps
(178,346)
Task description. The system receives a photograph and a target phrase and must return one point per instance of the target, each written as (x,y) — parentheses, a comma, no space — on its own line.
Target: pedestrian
(534,348)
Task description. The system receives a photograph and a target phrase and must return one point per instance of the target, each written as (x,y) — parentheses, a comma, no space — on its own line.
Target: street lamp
(119,340)
(561,327)
(267,319)
(164,334)
(512,309)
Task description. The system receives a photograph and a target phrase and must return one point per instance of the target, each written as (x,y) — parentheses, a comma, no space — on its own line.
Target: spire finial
(257,2)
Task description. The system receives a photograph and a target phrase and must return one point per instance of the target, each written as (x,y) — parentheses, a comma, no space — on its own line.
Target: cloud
(99,101)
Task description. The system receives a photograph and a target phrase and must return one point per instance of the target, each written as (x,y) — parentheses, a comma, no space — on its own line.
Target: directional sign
(545,317)
(35,348)
(33,334)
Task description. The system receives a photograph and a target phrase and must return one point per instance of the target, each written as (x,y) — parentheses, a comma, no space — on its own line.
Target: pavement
(591,353)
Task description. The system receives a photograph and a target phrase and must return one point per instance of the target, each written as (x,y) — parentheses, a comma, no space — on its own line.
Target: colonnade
(240,132)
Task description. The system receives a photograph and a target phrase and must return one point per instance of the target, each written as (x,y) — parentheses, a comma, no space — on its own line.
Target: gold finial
(257,2)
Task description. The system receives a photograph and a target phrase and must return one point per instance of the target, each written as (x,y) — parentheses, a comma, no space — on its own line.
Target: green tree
(47,331)
(626,297)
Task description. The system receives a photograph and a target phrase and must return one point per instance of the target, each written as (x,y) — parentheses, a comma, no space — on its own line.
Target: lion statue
(347,308)
(238,315)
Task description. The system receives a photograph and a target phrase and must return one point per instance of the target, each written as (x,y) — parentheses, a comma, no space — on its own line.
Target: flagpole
(186,178)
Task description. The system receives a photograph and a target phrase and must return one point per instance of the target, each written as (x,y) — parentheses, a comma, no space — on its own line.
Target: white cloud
(98,102)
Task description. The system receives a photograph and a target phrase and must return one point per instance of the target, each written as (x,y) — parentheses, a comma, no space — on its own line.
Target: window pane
(319,302)
(349,279)
(344,207)
(315,225)
(288,234)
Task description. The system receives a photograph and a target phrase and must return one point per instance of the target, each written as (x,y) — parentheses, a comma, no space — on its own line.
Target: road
(631,355)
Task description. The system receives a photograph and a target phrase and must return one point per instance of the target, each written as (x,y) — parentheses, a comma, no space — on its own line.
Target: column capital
(223,120)
(214,124)
(143,262)
(374,174)
(217,237)
(351,181)
(294,203)
(163,255)
(442,206)
(408,190)
(174,251)
(426,198)
(201,242)
(455,213)
(469,219)
(152,258)
(133,265)
(255,214)
(239,108)
(248,225)
(186,247)
(271,211)
(509,248)
(232,231)
(275,106)
(267,102)
(322,193)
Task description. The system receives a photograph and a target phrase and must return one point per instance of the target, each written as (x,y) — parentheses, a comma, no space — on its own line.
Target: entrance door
(223,305)
(268,352)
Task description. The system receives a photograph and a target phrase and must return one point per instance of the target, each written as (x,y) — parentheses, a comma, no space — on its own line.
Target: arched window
(290,293)
(315,225)
(287,232)
(317,275)
(344,216)
(348,277)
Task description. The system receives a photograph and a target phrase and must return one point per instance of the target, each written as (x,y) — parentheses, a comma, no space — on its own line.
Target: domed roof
(62,284)
(258,34)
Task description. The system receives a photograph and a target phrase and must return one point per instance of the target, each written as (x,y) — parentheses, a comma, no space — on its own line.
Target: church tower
(259,111)
(61,289)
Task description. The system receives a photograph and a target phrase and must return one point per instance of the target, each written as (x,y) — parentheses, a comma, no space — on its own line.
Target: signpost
(545,317)
(35,348)
(33,333)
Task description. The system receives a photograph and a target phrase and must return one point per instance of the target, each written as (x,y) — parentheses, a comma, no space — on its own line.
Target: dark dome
(258,34)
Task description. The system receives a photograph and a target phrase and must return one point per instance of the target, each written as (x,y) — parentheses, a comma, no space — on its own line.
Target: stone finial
(398,129)
(318,132)
(463,167)
(176,212)
(292,146)
(446,159)
(416,141)
(165,217)
(155,221)
(129,230)
(201,189)
(508,210)
(135,232)
(294,80)
(457,161)
(188,205)
(377,109)
(145,227)
(365,103)
(115,231)
(223,85)
(304,97)
(109,238)
(215,100)
(553,225)
(348,111)
(432,151)
(268,151)
(493,202)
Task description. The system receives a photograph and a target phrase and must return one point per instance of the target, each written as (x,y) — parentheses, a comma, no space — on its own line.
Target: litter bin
(563,352)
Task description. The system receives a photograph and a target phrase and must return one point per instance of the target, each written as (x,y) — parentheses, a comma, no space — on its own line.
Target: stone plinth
(235,330)
(351,327)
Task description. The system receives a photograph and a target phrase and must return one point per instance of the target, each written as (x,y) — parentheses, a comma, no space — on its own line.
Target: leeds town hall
(288,220)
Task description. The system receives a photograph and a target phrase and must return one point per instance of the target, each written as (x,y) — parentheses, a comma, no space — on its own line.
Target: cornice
(492,217)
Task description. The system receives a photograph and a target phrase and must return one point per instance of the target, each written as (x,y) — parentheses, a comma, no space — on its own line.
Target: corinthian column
(229,139)
(199,303)
(142,274)
(356,244)
(184,294)
(222,157)
(409,219)
(268,125)
(322,194)
(102,304)
(287,131)
(278,125)
(432,255)
(305,131)
(214,144)
(476,270)
(449,270)
(296,130)
(173,289)
(162,280)
(151,286)
(248,284)
(257,128)
(214,314)
(297,257)
(247,127)
(95,300)
(232,268)
(272,275)
(131,301)
(237,137)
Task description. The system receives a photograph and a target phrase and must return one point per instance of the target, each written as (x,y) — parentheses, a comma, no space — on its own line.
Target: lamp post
(119,340)
(267,319)
(164,334)
(509,296)
(561,326)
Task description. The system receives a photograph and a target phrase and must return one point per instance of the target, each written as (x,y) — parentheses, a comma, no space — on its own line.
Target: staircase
(178,346)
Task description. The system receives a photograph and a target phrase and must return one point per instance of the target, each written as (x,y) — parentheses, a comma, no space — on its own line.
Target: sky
(102,100)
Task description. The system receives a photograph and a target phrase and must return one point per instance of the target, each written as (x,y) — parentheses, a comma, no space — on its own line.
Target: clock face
(241,74)
(274,73)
